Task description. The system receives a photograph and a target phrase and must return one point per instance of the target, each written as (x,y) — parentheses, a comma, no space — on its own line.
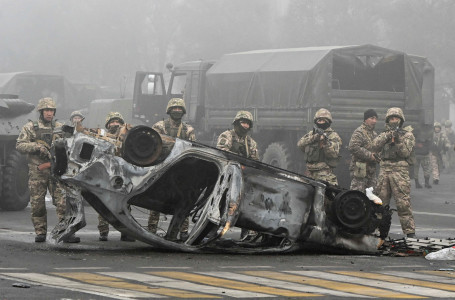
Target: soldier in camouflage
(422,156)
(174,127)
(449,155)
(363,159)
(114,124)
(238,141)
(76,117)
(321,148)
(395,145)
(440,145)
(35,140)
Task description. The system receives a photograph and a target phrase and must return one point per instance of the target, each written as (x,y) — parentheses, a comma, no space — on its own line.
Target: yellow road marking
(119,283)
(232,284)
(388,278)
(329,284)
(440,273)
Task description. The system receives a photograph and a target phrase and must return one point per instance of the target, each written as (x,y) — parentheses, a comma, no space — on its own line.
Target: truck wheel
(277,155)
(16,194)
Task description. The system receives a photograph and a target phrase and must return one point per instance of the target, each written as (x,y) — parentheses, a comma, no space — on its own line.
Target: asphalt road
(134,270)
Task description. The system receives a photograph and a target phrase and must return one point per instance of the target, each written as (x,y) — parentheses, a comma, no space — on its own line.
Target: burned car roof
(217,191)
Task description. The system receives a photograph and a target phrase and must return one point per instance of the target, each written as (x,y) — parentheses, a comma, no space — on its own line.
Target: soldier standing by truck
(422,155)
(114,121)
(395,144)
(440,145)
(176,128)
(363,159)
(239,142)
(321,148)
(449,156)
(35,140)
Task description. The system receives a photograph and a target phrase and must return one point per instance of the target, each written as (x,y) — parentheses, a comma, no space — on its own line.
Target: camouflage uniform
(321,156)
(363,166)
(239,142)
(449,155)
(176,128)
(422,157)
(440,145)
(103,225)
(236,142)
(35,140)
(396,149)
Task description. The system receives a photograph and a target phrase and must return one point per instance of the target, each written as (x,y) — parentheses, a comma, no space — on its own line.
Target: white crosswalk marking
(62,283)
(180,284)
(419,276)
(280,284)
(404,288)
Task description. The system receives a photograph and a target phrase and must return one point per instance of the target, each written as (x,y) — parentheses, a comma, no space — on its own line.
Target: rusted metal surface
(217,191)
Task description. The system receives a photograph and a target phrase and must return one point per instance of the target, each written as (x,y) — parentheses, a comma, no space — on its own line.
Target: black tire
(277,155)
(16,194)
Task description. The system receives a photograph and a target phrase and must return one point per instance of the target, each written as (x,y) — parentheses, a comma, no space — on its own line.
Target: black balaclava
(240,130)
(323,126)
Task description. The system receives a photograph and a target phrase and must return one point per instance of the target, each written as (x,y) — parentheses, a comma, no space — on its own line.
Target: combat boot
(436,181)
(411,235)
(427,183)
(40,238)
(418,185)
(103,237)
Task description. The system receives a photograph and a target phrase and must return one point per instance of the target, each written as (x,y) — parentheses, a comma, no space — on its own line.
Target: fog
(105,42)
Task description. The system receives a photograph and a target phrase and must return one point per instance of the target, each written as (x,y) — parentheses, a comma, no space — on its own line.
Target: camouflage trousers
(448,159)
(325,174)
(397,183)
(360,184)
(154,219)
(103,225)
(39,182)
(425,162)
(435,166)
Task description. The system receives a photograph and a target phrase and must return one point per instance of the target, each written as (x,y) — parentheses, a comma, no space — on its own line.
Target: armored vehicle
(14,192)
(283,88)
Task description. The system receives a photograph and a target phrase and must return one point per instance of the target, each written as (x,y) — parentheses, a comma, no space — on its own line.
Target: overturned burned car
(217,191)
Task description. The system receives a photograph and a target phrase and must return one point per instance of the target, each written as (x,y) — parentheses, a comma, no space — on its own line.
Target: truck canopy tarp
(305,77)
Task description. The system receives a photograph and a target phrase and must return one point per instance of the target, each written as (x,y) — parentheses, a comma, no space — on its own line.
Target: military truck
(31,86)
(14,192)
(283,88)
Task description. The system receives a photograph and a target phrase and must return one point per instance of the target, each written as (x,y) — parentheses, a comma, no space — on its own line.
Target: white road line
(399,287)
(245,267)
(66,284)
(420,276)
(433,214)
(164,267)
(83,268)
(185,285)
(280,284)
(404,267)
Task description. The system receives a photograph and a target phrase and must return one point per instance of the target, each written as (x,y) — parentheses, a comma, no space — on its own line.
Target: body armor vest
(173,131)
(239,148)
(44,134)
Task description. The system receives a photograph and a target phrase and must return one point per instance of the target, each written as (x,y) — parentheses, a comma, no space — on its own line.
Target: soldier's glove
(44,153)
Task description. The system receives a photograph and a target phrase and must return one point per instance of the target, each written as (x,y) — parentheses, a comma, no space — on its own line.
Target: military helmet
(114,116)
(448,123)
(394,112)
(176,102)
(437,124)
(245,115)
(323,113)
(76,113)
(46,103)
